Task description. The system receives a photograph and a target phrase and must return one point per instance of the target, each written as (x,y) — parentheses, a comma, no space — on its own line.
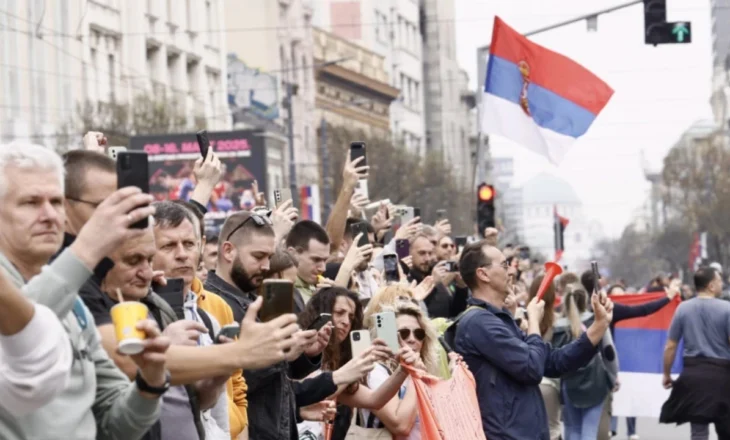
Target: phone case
(203,142)
(359,342)
(113,152)
(282,195)
(320,322)
(407,215)
(387,329)
(360,228)
(402,248)
(278,299)
(357,149)
(133,170)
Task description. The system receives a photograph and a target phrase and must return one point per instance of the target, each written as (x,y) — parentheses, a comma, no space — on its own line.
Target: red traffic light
(485,193)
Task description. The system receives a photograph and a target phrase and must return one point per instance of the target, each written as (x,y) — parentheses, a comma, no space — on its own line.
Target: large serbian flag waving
(537,97)
(640,346)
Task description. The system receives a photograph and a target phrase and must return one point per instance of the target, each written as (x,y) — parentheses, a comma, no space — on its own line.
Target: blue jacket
(508,367)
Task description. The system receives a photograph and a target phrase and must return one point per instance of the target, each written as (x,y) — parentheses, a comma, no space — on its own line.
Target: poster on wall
(172,158)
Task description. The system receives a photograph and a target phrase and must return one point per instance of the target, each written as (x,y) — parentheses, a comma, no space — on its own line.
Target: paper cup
(125,317)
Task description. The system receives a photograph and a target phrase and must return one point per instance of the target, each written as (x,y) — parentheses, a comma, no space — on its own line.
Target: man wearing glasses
(508,363)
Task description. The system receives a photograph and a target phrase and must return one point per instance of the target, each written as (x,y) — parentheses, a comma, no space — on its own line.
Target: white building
(720,12)
(55,55)
(529,215)
(447,95)
(275,36)
(390,28)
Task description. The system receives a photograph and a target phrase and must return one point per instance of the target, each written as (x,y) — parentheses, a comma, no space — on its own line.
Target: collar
(101,269)
(487,306)
(301,284)
(220,285)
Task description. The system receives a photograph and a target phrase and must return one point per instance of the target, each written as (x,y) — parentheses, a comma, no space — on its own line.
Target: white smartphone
(359,342)
(113,152)
(408,215)
(387,329)
(282,195)
(362,188)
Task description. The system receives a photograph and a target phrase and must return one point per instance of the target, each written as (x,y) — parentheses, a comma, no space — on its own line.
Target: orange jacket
(236,385)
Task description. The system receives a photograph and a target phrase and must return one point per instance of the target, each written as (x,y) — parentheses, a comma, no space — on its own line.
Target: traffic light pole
(482,69)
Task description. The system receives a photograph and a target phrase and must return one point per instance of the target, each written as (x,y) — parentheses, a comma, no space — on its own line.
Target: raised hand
(261,345)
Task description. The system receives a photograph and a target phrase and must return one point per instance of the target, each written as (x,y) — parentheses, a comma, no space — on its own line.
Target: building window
(209,21)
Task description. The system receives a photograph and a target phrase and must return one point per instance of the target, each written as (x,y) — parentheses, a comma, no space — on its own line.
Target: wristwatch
(143,386)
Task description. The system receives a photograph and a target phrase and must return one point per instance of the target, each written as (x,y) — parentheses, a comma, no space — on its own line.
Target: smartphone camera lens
(356,336)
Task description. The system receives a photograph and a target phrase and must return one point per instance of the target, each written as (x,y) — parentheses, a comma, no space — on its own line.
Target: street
(651,429)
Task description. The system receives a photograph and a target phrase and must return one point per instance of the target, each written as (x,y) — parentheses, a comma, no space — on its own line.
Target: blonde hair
(429,350)
(386,297)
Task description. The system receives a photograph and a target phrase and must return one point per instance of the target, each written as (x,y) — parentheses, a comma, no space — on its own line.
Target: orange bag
(448,409)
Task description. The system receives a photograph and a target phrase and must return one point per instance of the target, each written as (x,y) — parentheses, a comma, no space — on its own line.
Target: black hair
(703,277)
(472,258)
(304,231)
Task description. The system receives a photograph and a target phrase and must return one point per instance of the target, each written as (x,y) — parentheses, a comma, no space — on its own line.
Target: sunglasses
(418,333)
(259,220)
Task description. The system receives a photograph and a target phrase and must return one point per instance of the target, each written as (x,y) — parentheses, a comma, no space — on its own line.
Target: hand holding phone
(230,331)
(320,322)
(386,329)
(278,299)
(203,142)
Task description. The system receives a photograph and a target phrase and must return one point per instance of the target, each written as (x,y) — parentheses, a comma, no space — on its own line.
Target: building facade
(720,100)
(446,93)
(392,29)
(275,37)
(56,56)
(529,215)
(353,93)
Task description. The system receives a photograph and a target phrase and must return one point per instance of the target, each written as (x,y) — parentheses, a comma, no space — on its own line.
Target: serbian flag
(309,203)
(640,346)
(537,97)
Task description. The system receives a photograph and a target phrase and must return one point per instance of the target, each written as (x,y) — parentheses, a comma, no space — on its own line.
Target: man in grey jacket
(99,402)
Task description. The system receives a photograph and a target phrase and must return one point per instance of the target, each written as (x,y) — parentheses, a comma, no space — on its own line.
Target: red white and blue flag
(309,203)
(537,97)
(640,346)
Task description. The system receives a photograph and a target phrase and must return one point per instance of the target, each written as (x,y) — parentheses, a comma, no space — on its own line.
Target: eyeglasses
(94,204)
(418,333)
(504,264)
(259,220)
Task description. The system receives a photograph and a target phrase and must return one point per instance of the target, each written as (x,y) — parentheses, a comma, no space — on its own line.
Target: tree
(404,177)
(155,113)
(630,257)
(697,188)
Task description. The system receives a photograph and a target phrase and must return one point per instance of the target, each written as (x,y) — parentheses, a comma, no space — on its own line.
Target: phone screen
(278,299)
(203,142)
(390,264)
(357,150)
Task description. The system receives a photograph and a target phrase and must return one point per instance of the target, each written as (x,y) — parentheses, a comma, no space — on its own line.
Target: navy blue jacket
(508,367)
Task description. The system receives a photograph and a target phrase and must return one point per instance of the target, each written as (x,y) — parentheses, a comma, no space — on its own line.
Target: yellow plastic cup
(125,317)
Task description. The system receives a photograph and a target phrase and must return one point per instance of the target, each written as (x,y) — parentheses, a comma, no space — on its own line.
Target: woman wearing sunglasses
(400,415)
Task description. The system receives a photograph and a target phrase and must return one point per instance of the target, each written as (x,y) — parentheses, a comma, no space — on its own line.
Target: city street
(651,429)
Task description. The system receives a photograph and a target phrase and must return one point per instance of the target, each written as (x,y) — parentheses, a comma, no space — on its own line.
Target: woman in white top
(400,415)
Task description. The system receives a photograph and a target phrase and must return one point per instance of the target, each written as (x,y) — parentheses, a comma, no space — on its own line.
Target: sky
(659,93)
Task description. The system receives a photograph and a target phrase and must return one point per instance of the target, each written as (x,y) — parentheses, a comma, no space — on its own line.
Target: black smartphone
(390,264)
(230,331)
(203,142)
(357,150)
(173,294)
(361,228)
(460,241)
(447,347)
(402,248)
(278,299)
(452,266)
(417,212)
(320,322)
(133,170)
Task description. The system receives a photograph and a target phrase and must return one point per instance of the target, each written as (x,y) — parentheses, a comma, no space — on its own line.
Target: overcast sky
(659,92)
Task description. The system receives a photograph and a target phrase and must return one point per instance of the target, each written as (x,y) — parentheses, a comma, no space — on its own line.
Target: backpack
(449,334)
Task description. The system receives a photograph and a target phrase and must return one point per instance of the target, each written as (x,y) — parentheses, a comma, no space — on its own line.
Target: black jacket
(272,397)
(440,302)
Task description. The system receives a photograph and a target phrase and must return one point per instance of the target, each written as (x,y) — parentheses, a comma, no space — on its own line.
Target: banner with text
(172,158)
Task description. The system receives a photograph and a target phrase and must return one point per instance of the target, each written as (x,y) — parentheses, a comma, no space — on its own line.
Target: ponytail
(571,309)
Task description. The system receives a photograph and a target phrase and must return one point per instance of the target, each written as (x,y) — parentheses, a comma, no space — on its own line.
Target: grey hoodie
(99,401)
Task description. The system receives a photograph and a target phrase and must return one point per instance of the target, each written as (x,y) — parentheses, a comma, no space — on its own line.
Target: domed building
(529,217)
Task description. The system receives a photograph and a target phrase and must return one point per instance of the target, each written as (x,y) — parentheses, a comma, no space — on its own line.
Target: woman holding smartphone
(347,315)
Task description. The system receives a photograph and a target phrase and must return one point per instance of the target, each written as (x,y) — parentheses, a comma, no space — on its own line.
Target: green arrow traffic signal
(680,31)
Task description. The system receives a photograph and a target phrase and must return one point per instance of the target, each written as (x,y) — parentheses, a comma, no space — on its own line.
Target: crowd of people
(69,256)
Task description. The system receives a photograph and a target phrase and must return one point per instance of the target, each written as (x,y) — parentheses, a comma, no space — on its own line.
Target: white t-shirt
(376,378)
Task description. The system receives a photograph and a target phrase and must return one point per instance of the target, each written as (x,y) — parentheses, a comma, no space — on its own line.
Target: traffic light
(656,28)
(485,207)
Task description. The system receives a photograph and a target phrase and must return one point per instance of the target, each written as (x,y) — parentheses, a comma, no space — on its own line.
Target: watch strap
(143,386)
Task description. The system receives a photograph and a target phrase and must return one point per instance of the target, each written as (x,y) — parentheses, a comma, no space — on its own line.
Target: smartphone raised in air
(203,142)
(133,170)
(320,322)
(402,248)
(390,264)
(386,329)
(359,342)
(361,228)
(278,296)
(357,150)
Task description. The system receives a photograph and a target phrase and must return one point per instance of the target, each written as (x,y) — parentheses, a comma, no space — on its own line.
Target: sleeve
(303,366)
(458,302)
(197,204)
(569,357)
(622,311)
(120,410)
(675,328)
(34,363)
(238,400)
(57,285)
(523,360)
(313,390)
